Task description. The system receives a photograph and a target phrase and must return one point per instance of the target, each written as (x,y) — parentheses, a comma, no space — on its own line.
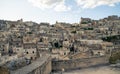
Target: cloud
(57,5)
(61,7)
(95,3)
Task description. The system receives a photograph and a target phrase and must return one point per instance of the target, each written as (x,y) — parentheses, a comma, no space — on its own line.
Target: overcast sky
(69,11)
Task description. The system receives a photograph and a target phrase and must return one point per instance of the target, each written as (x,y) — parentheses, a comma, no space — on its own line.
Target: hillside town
(24,42)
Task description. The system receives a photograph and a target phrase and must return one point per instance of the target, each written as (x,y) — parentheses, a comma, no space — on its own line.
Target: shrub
(73,32)
(114,57)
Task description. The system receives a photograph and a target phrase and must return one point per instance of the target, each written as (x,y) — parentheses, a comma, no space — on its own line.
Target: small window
(3,49)
(65,39)
(33,52)
(17,43)
(31,58)
(17,49)
(64,53)
(27,52)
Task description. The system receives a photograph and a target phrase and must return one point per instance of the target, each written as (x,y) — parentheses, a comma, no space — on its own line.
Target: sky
(69,11)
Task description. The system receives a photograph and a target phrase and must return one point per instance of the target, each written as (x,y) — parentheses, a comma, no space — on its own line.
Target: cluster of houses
(30,40)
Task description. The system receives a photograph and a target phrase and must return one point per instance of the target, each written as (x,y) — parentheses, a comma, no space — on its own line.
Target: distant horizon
(56,20)
(69,11)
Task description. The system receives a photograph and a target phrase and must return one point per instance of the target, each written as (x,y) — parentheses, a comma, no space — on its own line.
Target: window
(17,49)
(33,52)
(27,52)
(64,53)
(17,43)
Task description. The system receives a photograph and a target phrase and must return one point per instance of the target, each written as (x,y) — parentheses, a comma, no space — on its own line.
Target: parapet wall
(78,63)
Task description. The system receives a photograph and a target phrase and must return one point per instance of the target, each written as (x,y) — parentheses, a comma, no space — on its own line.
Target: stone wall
(78,63)
(4,70)
(43,69)
(40,66)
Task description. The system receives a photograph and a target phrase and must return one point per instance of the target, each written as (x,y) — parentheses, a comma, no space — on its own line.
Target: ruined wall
(78,63)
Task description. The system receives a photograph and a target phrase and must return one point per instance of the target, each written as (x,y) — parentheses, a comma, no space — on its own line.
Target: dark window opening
(27,52)
(33,52)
